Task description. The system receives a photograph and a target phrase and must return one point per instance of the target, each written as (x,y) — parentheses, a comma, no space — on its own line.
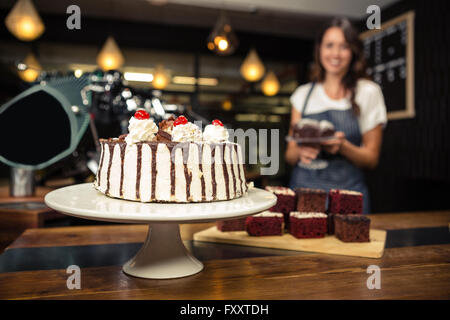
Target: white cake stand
(163,254)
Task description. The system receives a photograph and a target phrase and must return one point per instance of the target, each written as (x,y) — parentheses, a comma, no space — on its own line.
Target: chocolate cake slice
(352,227)
(308,224)
(265,224)
(306,128)
(345,202)
(311,200)
(286,201)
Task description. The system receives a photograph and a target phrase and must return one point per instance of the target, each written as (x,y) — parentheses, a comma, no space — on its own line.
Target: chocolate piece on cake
(163,136)
(345,202)
(265,224)
(311,200)
(326,128)
(165,130)
(308,224)
(286,201)
(352,227)
(231,225)
(306,128)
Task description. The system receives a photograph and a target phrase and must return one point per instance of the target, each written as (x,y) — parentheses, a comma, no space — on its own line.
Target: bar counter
(415,265)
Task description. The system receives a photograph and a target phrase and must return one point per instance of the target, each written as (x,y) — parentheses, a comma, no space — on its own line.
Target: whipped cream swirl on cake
(188,132)
(215,133)
(140,130)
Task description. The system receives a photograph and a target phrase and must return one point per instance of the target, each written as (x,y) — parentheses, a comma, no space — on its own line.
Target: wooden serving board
(330,244)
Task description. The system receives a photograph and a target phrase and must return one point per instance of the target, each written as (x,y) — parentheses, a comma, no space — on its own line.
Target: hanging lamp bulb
(31,68)
(222,40)
(110,56)
(24,22)
(252,69)
(160,77)
(270,85)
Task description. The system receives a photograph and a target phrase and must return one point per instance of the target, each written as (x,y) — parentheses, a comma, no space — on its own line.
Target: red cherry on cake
(141,115)
(217,123)
(180,120)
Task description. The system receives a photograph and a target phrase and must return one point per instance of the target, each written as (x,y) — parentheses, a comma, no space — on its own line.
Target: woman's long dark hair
(357,68)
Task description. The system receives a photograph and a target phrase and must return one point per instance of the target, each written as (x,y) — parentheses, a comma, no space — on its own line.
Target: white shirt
(368,96)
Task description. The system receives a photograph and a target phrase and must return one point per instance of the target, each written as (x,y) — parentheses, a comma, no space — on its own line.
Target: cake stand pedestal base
(163,255)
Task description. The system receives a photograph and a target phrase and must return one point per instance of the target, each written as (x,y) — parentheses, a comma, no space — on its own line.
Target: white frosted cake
(175,163)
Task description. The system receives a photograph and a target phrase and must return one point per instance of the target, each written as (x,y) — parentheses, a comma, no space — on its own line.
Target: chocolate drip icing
(213,170)
(225,171)
(233,175)
(172,169)
(101,163)
(138,170)
(153,147)
(239,168)
(187,174)
(200,167)
(111,153)
(122,158)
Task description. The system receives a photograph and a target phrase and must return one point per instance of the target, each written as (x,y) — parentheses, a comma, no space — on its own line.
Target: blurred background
(238,61)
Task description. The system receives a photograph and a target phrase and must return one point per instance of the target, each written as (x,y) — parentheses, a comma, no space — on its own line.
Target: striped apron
(333,171)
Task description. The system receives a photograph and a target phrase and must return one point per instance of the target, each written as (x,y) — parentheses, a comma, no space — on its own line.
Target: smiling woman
(339,93)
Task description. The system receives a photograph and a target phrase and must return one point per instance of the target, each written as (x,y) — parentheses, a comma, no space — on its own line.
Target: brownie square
(308,224)
(352,227)
(311,200)
(345,202)
(286,201)
(231,225)
(265,224)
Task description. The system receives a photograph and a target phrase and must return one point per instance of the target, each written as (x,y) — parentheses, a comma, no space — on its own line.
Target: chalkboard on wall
(390,57)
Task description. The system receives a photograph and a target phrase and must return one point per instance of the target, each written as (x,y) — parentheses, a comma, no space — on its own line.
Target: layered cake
(306,128)
(311,128)
(311,200)
(286,201)
(352,227)
(231,225)
(173,163)
(308,224)
(266,223)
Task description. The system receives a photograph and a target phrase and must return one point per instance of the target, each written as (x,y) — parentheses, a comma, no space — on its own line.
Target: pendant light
(270,85)
(252,69)
(24,22)
(30,68)
(110,56)
(160,78)
(222,40)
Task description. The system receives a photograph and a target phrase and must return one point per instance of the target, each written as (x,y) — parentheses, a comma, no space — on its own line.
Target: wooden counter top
(407,271)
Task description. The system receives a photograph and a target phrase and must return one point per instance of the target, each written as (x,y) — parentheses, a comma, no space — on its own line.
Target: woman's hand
(307,153)
(333,145)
